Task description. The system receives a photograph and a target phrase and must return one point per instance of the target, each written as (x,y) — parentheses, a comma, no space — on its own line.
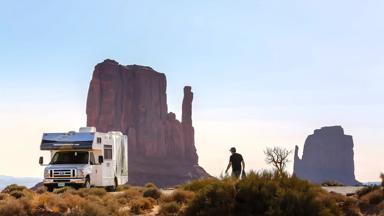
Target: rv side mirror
(101,159)
(41,160)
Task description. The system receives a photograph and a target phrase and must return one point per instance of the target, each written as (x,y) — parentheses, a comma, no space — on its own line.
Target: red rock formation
(328,155)
(133,99)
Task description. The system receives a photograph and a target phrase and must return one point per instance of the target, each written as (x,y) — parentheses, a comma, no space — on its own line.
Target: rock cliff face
(328,155)
(133,99)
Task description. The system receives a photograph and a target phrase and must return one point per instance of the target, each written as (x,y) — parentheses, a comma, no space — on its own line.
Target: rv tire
(87,183)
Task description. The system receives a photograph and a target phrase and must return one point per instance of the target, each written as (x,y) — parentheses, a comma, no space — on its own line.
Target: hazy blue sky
(264,72)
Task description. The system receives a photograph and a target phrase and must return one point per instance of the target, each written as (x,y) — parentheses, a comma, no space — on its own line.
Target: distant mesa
(328,155)
(133,99)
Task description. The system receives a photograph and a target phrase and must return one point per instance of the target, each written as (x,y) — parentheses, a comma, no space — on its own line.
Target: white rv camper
(85,159)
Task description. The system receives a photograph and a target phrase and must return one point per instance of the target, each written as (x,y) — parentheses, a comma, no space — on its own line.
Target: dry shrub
(17,194)
(13,187)
(3,196)
(365,190)
(12,207)
(128,195)
(216,198)
(62,190)
(350,207)
(150,185)
(374,197)
(41,190)
(123,187)
(138,206)
(179,196)
(169,209)
(95,209)
(74,203)
(152,192)
(49,202)
(198,185)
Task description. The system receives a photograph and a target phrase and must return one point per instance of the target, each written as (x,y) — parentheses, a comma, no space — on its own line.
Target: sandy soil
(343,189)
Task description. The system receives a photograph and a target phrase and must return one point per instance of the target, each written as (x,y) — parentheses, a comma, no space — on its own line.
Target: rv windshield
(71,157)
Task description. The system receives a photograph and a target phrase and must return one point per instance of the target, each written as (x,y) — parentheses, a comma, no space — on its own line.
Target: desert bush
(141,205)
(169,209)
(216,198)
(13,187)
(128,195)
(95,209)
(266,194)
(17,194)
(350,207)
(150,185)
(262,194)
(41,190)
(331,183)
(200,184)
(152,192)
(365,190)
(180,196)
(3,196)
(13,207)
(374,197)
(123,187)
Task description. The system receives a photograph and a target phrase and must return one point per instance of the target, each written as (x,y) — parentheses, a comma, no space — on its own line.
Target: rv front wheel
(87,183)
(50,189)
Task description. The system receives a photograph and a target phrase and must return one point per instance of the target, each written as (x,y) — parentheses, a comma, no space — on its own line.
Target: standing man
(237,163)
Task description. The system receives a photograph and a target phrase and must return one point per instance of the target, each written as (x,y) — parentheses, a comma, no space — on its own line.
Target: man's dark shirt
(236,160)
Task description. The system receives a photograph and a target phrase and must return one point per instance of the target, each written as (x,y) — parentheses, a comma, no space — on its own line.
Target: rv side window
(107,152)
(98,140)
(92,159)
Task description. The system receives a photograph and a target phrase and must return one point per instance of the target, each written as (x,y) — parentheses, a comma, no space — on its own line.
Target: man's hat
(233,149)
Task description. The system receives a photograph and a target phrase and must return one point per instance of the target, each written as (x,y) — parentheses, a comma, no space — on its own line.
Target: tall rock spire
(189,132)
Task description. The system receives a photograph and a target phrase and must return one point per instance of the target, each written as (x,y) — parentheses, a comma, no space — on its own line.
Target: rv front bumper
(55,183)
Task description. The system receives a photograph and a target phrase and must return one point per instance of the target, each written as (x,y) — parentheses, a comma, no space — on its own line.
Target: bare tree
(277,157)
(382,179)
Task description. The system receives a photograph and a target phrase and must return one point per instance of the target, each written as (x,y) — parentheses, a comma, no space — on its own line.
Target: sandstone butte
(133,99)
(328,156)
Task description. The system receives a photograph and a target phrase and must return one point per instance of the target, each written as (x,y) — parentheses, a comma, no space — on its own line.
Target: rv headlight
(80,173)
(46,173)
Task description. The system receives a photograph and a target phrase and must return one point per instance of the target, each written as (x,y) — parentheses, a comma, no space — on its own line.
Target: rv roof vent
(87,129)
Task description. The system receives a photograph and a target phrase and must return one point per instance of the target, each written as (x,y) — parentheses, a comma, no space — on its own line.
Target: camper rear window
(107,152)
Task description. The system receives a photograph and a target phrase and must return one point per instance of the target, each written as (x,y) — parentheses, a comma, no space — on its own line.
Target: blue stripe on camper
(54,141)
